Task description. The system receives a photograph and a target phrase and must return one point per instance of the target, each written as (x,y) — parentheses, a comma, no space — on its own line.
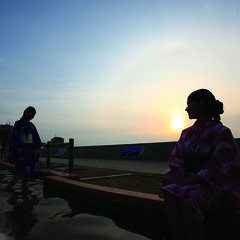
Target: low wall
(151,151)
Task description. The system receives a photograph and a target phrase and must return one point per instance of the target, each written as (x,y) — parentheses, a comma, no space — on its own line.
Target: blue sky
(109,72)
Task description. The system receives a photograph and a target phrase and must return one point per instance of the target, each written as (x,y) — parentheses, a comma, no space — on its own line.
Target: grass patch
(136,183)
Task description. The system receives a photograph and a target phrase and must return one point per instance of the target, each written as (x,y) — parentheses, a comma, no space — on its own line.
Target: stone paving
(146,167)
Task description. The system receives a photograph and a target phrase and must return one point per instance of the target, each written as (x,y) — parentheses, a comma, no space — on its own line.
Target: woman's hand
(36,153)
(178,180)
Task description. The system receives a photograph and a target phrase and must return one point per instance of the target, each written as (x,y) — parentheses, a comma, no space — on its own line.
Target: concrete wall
(152,151)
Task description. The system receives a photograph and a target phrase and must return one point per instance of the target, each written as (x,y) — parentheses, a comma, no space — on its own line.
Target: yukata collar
(207,125)
(30,125)
(197,137)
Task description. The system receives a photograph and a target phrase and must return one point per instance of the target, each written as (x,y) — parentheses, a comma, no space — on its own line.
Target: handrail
(70,156)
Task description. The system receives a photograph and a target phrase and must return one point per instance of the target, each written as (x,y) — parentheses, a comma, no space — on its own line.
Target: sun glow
(177,123)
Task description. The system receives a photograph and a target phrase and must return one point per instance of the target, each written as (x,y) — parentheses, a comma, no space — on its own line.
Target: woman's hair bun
(216,110)
(219,107)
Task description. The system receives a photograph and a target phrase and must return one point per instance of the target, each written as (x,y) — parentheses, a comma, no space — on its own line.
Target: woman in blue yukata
(23,148)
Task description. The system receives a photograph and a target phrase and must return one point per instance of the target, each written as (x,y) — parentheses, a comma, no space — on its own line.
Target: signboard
(61,152)
(132,151)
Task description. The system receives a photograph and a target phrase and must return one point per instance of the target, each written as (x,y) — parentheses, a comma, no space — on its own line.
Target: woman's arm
(183,181)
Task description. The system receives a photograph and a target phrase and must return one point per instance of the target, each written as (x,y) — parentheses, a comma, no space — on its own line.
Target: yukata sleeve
(14,142)
(36,141)
(36,138)
(176,166)
(222,171)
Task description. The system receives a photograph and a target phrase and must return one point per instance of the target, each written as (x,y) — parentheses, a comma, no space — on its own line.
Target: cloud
(208,7)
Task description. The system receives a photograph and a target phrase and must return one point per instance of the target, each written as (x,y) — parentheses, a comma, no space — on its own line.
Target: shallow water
(36,215)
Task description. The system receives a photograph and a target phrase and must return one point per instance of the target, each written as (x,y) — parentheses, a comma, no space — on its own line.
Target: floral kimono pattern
(222,170)
(25,162)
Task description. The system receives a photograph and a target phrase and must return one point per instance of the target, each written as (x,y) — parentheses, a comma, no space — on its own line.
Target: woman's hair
(29,109)
(213,108)
(24,119)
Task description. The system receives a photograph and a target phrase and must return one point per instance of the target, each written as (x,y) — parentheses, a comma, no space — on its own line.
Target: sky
(117,71)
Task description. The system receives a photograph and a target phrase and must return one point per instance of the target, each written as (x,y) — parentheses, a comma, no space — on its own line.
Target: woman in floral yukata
(23,148)
(204,168)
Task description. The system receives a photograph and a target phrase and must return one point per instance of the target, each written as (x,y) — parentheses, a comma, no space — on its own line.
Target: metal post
(71,154)
(48,154)
(3,142)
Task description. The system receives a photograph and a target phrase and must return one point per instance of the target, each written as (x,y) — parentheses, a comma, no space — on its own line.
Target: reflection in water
(150,227)
(37,216)
(21,220)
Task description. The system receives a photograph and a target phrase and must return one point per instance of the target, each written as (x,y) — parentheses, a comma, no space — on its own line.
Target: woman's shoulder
(18,123)
(222,133)
(218,126)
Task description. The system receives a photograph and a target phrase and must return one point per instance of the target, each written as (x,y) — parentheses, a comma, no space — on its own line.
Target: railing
(70,156)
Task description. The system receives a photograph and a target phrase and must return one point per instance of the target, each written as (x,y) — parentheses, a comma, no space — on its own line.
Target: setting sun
(177,123)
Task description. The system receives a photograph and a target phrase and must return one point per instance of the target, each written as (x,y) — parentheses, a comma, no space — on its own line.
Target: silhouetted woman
(204,168)
(23,148)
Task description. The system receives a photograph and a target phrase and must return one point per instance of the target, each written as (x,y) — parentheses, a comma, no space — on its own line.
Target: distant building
(5,135)
(57,140)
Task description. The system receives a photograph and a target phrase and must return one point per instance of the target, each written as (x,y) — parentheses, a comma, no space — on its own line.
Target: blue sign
(61,152)
(132,151)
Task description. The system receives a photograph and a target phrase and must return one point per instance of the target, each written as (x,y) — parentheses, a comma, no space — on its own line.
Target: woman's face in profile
(192,109)
(29,115)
